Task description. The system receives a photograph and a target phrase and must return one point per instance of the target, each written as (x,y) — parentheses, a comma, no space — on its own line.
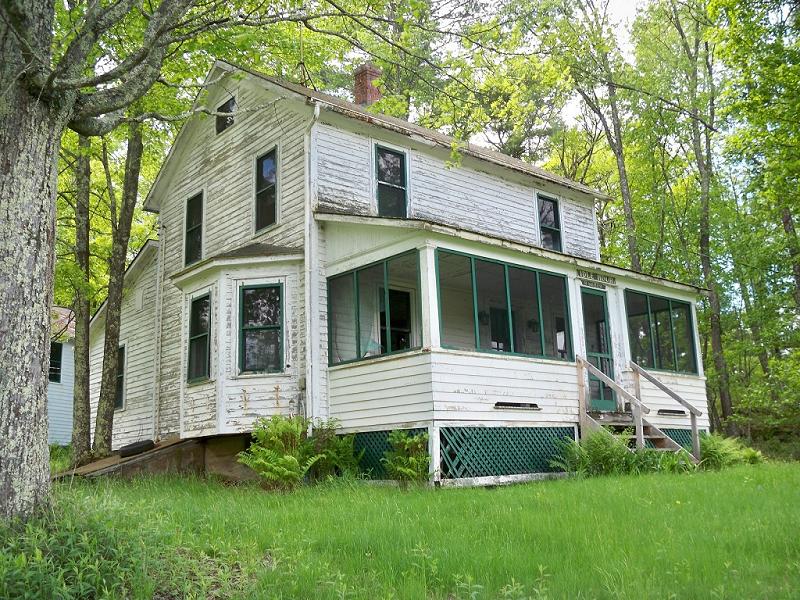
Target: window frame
(378,146)
(123,404)
(557,230)
(190,338)
(280,327)
(201,226)
(235,97)
(570,357)
(651,332)
(50,373)
(276,148)
(416,301)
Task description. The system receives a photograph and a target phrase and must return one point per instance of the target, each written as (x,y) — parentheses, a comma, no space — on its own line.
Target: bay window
(261,329)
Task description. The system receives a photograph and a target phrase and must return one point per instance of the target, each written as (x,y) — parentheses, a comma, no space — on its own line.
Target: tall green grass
(727,534)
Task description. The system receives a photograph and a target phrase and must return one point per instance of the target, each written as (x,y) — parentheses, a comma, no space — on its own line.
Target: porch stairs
(621,422)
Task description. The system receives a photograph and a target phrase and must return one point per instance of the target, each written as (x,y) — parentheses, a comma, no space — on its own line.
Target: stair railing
(637,406)
(693,412)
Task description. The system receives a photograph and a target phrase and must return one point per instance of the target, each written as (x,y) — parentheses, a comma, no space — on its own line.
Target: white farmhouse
(61,376)
(317,258)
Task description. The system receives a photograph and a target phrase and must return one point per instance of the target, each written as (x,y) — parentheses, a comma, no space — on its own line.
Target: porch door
(598,348)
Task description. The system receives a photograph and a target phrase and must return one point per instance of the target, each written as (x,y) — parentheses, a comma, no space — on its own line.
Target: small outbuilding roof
(62,323)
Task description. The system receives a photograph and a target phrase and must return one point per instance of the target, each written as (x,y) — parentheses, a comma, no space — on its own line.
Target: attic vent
(225,121)
(671,412)
(516,406)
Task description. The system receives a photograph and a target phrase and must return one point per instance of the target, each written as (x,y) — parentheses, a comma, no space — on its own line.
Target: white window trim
(204,191)
(208,290)
(374,144)
(278,147)
(238,284)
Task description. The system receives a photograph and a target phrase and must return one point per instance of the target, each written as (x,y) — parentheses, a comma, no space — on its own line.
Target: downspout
(309,262)
(157,358)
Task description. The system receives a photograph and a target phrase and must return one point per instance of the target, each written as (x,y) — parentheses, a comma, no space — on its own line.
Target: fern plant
(407,459)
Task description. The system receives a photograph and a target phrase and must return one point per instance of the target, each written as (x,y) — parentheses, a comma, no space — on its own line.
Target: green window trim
(570,353)
(119,396)
(197,336)
(273,154)
(651,330)
(385,287)
(555,229)
(192,254)
(382,182)
(277,327)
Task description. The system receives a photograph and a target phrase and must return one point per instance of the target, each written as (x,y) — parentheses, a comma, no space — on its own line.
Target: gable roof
(357,112)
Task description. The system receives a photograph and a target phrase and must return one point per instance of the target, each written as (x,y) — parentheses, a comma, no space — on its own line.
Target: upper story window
(549,223)
(199,362)
(194,229)
(392,188)
(497,307)
(119,398)
(56,351)
(225,121)
(374,310)
(661,333)
(261,329)
(266,189)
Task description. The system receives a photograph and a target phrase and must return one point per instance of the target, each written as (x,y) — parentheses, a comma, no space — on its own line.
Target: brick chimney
(364,92)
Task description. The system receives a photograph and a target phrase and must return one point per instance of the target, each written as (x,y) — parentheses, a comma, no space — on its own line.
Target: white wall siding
(466,386)
(458,196)
(689,387)
(223,167)
(137,333)
(59,399)
(383,392)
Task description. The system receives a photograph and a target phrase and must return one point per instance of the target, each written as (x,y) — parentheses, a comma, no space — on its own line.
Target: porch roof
(335,216)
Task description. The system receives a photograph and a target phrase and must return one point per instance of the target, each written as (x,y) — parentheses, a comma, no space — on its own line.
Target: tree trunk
(81,442)
(30,133)
(794,250)
(104,421)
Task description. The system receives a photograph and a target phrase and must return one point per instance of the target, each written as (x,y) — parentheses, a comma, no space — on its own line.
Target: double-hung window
(549,223)
(266,190)
(56,351)
(392,188)
(119,398)
(225,120)
(199,363)
(261,329)
(660,332)
(194,229)
(498,307)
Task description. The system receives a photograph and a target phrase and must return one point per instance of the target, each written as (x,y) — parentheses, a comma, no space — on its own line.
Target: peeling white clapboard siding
(466,386)
(137,333)
(59,399)
(689,387)
(223,168)
(452,195)
(386,392)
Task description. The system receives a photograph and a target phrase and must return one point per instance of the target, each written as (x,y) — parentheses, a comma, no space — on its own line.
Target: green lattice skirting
(682,436)
(375,444)
(492,451)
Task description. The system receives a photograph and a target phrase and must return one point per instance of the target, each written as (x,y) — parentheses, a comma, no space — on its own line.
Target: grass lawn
(732,534)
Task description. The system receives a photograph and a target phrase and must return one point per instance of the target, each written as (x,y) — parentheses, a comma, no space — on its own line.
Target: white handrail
(613,384)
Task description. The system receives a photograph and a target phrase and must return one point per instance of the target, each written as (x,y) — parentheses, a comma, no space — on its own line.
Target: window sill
(199,382)
(261,375)
(378,358)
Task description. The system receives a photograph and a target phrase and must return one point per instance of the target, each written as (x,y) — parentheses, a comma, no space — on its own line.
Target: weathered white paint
(134,421)
(442,193)
(59,399)
(691,388)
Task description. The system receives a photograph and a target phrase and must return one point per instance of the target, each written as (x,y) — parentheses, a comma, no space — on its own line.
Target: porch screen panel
(493,320)
(526,321)
(684,337)
(404,319)
(555,317)
(456,300)
(639,328)
(371,303)
(342,302)
(661,316)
